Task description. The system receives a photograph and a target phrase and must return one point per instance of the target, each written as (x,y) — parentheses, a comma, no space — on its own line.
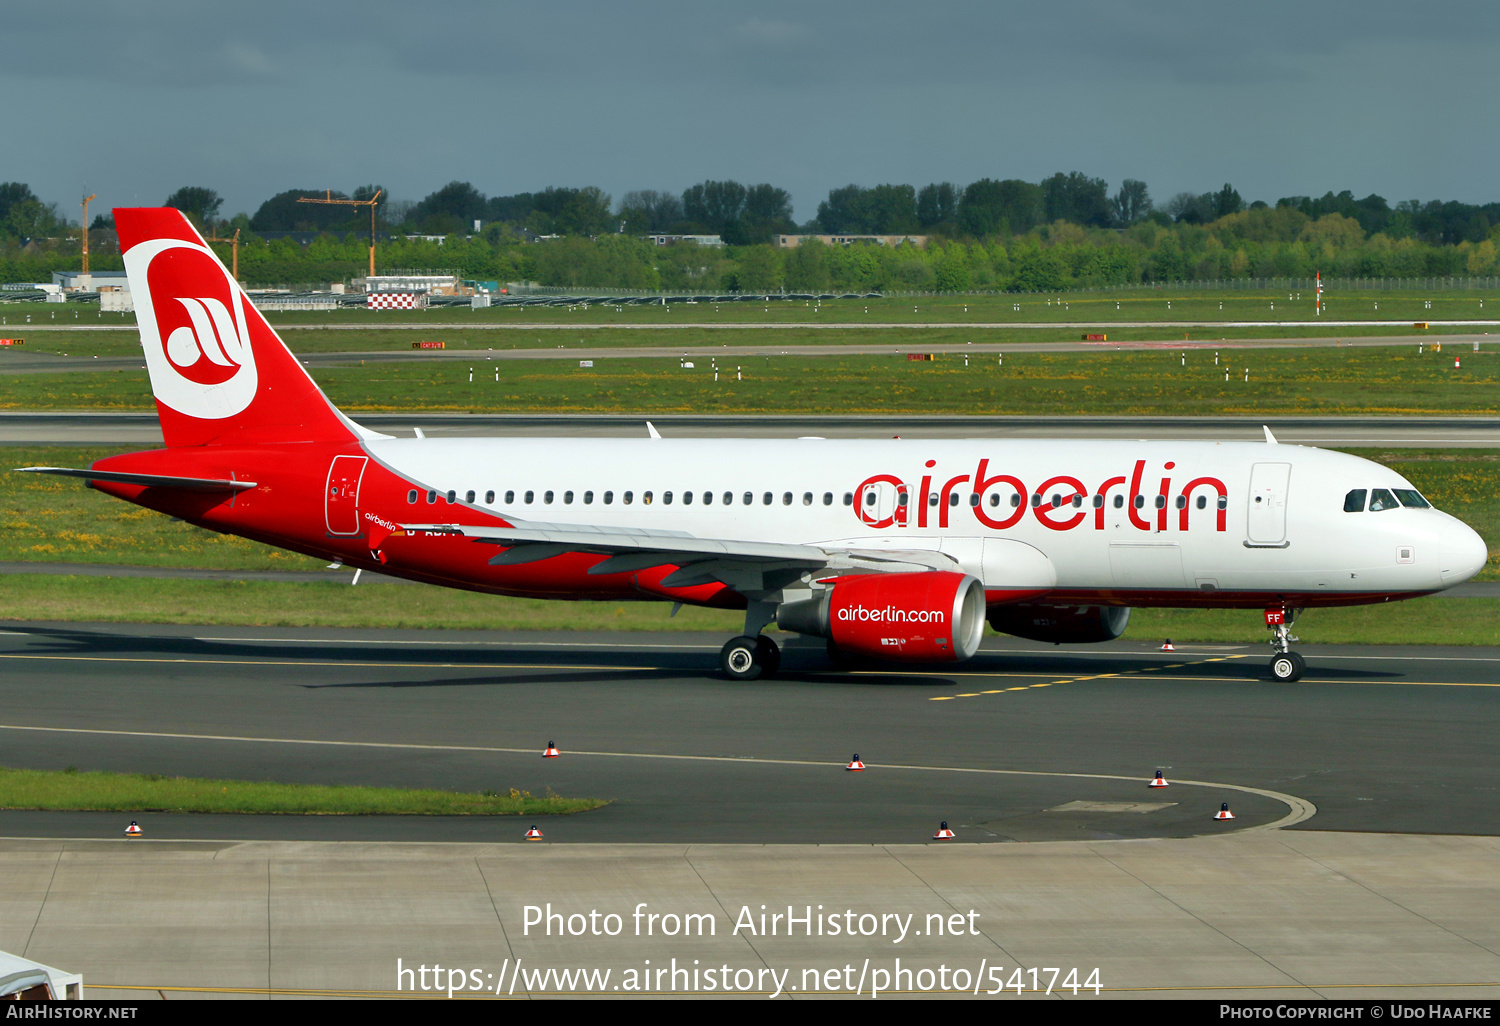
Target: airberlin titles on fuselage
(1001,501)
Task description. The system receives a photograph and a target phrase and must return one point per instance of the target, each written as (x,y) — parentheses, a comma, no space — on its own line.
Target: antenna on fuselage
(1270,438)
(650,427)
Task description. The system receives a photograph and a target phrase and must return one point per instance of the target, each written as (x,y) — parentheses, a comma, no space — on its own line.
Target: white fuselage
(1187,522)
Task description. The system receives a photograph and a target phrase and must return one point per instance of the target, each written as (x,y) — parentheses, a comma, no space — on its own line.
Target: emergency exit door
(341,496)
(1268,494)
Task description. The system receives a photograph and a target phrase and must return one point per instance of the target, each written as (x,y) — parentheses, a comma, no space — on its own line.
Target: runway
(1395,740)
(143,429)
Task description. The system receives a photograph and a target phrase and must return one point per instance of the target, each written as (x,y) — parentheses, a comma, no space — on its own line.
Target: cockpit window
(1411,498)
(1354,502)
(1381,498)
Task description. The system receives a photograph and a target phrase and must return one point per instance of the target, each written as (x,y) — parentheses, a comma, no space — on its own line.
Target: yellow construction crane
(85,233)
(328,198)
(234,241)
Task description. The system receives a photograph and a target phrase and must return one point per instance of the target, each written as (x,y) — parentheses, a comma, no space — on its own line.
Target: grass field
(1322,381)
(303,331)
(1428,621)
(52,519)
(69,790)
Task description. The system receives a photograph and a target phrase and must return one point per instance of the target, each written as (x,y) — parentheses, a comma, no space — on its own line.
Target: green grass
(1426,621)
(72,791)
(329,603)
(362,328)
(1299,381)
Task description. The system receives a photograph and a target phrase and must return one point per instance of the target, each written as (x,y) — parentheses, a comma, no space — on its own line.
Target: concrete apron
(1270,914)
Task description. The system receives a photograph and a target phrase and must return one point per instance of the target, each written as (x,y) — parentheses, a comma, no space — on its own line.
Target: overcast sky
(132,98)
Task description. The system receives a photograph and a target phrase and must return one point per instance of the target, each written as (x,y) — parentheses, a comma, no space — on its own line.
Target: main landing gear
(746,658)
(752,655)
(1286,666)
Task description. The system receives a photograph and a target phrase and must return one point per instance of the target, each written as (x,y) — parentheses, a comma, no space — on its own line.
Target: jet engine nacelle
(1061,624)
(928,617)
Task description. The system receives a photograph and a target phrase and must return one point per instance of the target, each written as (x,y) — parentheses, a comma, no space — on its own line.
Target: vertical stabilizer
(220,375)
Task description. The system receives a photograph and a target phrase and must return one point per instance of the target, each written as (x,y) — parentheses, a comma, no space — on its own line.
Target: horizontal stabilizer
(184,484)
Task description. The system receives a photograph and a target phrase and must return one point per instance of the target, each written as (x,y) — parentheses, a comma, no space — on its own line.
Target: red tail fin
(220,375)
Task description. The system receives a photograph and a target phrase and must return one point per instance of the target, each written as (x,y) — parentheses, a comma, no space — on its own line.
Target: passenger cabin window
(469,496)
(1411,498)
(627,498)
(645,497)
(1381,498)
(728,499)
(411,496)
(530,497)
(1119,502)
(588,498)
(848,498)
(765,500)
(1354,502)
(749,498)
(807,498)
(666,497)
(489,498)
(568,498)
(452,495)
(431,497)
(687,498)
(786,498)
(609,498)
(547,497)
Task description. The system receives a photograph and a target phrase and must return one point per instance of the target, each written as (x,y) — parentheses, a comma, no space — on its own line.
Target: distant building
(94,281)
(672,240)
(430,284)
(793,241)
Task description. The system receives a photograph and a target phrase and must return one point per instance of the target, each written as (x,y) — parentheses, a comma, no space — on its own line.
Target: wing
(747,566)
(186,484)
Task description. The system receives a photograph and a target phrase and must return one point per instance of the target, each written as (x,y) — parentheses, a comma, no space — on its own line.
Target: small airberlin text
(890,614)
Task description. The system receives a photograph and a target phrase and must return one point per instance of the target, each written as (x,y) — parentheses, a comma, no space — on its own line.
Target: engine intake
(927,617)
(1061,624)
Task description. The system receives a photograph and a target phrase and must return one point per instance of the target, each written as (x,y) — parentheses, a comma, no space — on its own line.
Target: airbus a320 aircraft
(895,550)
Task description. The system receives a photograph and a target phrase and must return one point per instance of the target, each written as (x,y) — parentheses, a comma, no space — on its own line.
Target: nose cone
(1463,553)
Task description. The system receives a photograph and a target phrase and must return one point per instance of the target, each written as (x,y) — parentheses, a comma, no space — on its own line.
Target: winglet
(1270,438)
(650,427)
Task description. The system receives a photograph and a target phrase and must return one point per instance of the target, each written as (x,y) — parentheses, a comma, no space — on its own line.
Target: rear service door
(1268,492)
(341,496)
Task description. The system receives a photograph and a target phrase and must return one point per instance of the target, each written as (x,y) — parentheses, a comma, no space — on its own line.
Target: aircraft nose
(1464,553)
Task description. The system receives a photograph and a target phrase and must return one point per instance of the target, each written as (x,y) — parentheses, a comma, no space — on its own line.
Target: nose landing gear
(1286,666)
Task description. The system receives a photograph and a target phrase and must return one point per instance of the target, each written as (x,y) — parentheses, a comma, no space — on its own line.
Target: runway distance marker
(1300,808)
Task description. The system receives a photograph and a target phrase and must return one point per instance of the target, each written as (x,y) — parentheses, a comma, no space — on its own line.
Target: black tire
(740,659)
(768,654)
(1287,667)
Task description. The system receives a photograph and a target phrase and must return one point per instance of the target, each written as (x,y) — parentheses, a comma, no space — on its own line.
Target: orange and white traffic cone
(1224,812)
(854,763)
(533,834)
(1158,781)
(1167,646)
(943,833)
(551,752)
(133,830)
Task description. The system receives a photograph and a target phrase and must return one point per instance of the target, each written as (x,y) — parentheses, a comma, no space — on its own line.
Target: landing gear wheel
(768,655)
(741,659)
(1287,667)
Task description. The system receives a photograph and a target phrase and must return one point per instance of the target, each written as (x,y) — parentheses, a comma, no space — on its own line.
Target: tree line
(1065,231)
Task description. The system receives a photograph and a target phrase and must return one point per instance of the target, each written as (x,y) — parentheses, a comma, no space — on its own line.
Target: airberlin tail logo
(193,329)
